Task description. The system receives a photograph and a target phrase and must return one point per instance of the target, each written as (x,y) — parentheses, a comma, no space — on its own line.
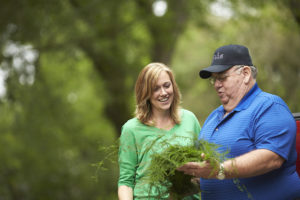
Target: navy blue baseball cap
(226,57)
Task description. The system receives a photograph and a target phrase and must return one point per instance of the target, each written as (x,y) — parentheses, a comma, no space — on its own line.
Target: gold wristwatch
(221,173)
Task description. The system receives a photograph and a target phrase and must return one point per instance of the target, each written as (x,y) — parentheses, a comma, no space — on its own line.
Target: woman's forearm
(125,193)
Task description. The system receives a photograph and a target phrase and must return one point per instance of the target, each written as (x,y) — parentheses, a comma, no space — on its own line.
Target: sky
(23,59)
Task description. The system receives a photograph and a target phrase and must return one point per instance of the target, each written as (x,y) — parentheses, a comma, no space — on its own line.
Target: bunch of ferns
(164,177)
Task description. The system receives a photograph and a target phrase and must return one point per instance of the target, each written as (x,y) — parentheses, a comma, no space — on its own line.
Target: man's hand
(198,169)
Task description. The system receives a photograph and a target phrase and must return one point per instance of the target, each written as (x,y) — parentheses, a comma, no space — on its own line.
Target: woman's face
(162,96)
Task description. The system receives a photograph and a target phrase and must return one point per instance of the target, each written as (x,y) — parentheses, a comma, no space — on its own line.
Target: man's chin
(224,101)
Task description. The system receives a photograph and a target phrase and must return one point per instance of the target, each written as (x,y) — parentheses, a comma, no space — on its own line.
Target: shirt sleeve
(197,126)
(127,158)
(194,123)
(275,130)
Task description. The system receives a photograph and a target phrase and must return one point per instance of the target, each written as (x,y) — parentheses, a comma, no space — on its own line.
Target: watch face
(221,176)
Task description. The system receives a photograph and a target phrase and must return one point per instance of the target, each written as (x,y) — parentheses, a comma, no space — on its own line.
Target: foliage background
(68,69)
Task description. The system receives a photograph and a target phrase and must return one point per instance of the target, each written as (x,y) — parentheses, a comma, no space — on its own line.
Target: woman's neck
(163,120)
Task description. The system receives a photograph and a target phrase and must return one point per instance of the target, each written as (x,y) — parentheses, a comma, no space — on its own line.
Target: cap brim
(206,72)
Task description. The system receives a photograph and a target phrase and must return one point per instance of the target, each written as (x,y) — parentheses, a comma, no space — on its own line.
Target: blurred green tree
(50,137)
(119,37)
(70,67)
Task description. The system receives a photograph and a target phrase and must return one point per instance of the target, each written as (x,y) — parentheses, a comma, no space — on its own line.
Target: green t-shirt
(138,141)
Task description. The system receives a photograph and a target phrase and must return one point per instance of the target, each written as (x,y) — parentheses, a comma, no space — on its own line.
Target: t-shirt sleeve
(194,122)
(275,130)
(127,157)
(197,126)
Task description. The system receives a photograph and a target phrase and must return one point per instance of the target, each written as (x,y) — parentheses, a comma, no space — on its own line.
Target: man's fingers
(191,165)
(202,155)
(201,164)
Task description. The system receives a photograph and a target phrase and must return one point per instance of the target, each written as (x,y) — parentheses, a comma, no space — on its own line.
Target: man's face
(230,87)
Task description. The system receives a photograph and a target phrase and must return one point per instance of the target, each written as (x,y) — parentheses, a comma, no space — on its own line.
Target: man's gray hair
(253,70)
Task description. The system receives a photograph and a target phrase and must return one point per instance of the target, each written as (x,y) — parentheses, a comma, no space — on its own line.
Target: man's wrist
(221,173)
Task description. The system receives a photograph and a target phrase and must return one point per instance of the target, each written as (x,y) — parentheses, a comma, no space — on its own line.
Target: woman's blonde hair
(144,86)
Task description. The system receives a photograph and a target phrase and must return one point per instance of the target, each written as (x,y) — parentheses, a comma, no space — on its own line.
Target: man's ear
(247,74)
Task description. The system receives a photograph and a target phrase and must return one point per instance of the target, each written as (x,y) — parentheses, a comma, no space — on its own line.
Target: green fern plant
(164,177)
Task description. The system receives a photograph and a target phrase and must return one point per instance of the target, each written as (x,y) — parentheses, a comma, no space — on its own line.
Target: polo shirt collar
(248,98)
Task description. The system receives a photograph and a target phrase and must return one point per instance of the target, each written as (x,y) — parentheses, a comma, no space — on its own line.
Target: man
(258,130)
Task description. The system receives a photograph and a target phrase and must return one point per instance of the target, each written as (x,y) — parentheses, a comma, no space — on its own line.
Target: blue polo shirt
(260,121)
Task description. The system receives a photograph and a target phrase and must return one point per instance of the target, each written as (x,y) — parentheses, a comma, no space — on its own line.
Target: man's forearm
(254,163)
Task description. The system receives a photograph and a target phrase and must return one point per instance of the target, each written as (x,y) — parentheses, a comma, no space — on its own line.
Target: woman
(157,118)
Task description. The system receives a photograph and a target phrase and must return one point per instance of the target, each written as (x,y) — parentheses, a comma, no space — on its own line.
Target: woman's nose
(163,91)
